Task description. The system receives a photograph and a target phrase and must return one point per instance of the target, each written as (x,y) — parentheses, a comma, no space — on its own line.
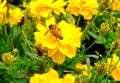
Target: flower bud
(100,67)
(8,58)
(14,51)
(115,45)
(118,19)
(78,67)
(104,28)
(101,14)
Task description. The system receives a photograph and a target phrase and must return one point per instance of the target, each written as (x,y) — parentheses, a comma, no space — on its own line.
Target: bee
(55,31)
(99,55)
(40,50)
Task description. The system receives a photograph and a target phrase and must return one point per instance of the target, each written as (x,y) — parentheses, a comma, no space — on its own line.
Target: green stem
(26,40)
(10,73)
(13,78)
(70,61)
(10,36)
(94,78)
(108,53)
(87,28)
(78,21)
(11,42)
(90,46)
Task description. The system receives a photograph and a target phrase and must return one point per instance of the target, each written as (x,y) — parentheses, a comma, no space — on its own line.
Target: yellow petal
(41,28)
(83,7)
(39,38)
(51,52)
(58,57)
(116,74)
(68,78)
(50,41)
(62,48)
(115,57)
(88,17)
(71,51)
(74,7)
(58,6)
(50,21)
(73,10)
(52,74)
(3,3)
(74,35)
(37,78)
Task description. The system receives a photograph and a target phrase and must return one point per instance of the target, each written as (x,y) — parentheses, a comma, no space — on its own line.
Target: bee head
(52,26)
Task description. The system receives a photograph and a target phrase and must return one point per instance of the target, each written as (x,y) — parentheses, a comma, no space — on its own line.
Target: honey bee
(55,31)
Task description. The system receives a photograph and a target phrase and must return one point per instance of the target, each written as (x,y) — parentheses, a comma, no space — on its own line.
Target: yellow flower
(51,77)
(37,78)
(116,71)
(84,7)
(116,5)
(68,78)
(44,8)
(58,47)
(15,16)
(3,10)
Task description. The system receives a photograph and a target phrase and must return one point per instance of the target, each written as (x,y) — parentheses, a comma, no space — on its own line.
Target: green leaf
(2,65)
(34,56)
(93,56)
(106,81)
(100,40)
(94,35)
(88,62)
(110,37)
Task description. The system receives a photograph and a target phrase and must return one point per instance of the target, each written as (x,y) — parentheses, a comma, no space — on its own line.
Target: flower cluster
(43,8)
(15,16)
(51,77)
(8,14)
(47,8)
(83,71)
